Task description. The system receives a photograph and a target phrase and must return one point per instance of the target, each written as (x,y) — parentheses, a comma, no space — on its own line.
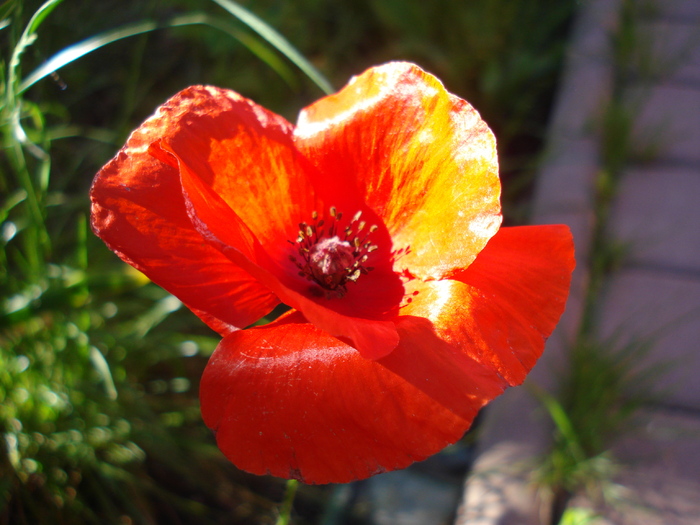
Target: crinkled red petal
(245,155)
(289,400)
(139,212)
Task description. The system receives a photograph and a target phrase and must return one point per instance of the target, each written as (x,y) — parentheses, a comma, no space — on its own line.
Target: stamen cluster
(331,255)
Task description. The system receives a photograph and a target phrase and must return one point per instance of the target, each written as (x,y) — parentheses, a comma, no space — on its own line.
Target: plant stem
(286,507)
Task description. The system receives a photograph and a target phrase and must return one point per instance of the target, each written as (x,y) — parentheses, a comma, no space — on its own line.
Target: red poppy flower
(376,219)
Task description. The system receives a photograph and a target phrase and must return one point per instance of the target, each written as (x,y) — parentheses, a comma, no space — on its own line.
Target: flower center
(331,256)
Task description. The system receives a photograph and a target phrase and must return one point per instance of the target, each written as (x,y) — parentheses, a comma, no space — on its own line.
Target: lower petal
(289,400)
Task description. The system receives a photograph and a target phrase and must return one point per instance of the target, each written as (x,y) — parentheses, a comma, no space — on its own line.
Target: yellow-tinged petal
(420,157)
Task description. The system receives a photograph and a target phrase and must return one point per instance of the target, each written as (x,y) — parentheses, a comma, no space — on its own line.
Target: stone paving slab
(408,498)
(679,10)
(667,439)
(657,215)
(662,309)
(500,490)
(569,165)
(655,481)
(587,76)
(669,122)
(599,17)
(583,98)
(675,55)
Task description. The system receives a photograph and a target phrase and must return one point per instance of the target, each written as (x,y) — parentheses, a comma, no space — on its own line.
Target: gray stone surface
(683,11)
(657,215)
(667,440)
(669,123)
(661,309)
(675,54)
(587,73)
(595,22)
(658,483)
(500,489)
(568,167)
(408,498)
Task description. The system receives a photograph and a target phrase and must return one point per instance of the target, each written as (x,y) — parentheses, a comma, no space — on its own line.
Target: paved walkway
(654,296)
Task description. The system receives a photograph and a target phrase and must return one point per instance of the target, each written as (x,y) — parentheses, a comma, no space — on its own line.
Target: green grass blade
(71,53)
(561,420)
(278,42)
(80,49)
(40,15)
(27,38)
(286,507)
(102,367)
(17,197)
(254,45)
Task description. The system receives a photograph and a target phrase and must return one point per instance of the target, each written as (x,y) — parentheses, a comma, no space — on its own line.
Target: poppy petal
(224,229)
(245,154)
(503,307)
(139,212)
(420,157)
(289,400)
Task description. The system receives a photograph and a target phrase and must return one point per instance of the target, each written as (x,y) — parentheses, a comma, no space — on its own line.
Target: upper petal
(245,154)
(501,309)
(289,400)
(420,157)
(139,212)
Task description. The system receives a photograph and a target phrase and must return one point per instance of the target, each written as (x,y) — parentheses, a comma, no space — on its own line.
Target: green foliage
(578,516)
(99,417)
(286,508)
(605,388)
(602,392)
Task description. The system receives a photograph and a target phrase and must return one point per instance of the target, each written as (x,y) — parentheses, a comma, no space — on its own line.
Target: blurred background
(99,368)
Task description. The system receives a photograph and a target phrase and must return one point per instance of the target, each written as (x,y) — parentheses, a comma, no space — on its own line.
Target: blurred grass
(99,368)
